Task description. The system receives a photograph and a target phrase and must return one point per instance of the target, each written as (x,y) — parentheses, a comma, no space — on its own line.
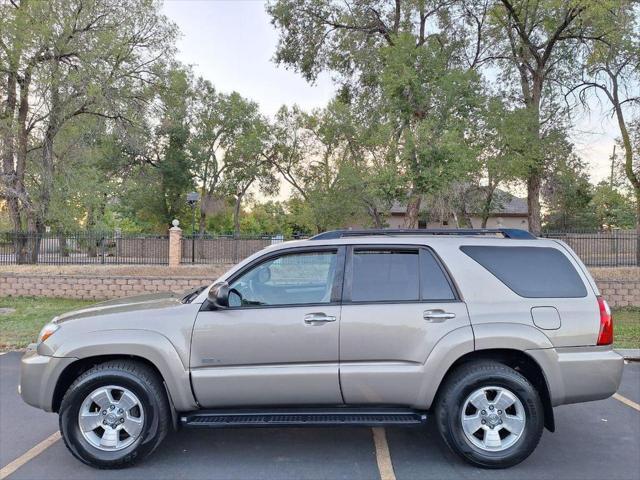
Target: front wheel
(114,414)
(490,415)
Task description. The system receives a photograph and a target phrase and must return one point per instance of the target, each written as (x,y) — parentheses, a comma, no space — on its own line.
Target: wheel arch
(147,347)
(519,361)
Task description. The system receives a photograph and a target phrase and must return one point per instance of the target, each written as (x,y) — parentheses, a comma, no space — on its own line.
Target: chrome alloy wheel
(111,418)
(493,419)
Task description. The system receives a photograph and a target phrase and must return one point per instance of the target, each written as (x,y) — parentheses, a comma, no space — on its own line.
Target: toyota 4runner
(482,331)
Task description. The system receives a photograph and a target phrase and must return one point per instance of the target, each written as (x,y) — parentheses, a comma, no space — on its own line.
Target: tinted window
(530,271)
(380,275)
(287,280)
(435,285)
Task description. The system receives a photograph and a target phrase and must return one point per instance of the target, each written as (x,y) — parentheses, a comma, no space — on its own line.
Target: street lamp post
(192,200)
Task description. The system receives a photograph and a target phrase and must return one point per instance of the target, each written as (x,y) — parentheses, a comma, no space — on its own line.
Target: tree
(403,64)
(64,59)
(568,193)
(332,163)
(536,45)
(611,208)
(218,121)
(248,165)
(612,71)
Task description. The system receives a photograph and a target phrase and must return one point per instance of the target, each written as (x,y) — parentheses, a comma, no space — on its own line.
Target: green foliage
(568,195)
(612,208)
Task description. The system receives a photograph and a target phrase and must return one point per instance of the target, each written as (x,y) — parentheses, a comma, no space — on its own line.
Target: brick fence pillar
(175,244)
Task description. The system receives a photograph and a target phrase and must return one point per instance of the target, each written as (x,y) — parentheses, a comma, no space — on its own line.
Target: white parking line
(30,455)
(383,457)
(627,402)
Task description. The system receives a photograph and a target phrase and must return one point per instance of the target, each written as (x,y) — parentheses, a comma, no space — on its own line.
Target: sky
(232,43)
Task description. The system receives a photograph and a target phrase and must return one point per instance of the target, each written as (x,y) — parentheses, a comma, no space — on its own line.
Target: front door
(277,343)
(398,303)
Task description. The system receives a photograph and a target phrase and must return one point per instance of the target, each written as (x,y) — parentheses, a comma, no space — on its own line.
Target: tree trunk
(534,183)
(236,216)
(63,249)
(486,208)
(413,210)
(92,245)
(375,215)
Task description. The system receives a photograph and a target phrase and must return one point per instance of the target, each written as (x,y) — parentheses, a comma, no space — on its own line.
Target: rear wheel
(490,415)
(114,414)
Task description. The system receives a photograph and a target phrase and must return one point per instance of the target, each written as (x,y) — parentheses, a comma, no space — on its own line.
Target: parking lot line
(383,457)
(30,455)
(626,401)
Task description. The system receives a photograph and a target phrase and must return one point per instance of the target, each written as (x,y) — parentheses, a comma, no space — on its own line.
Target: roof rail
(513,233)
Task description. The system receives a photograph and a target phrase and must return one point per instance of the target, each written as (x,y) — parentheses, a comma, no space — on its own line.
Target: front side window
(385,275)
(291,279)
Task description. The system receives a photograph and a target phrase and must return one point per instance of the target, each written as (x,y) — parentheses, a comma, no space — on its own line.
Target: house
(508,211)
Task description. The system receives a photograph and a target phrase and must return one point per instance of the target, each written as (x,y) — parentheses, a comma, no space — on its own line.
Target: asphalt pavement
(596,440)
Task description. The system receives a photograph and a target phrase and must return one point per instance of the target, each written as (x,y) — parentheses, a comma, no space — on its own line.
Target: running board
(320,417)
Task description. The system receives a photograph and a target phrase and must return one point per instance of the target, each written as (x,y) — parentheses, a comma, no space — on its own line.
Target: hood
(124,305)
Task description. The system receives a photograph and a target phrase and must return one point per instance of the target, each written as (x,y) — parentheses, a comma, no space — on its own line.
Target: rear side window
(385,275)
(532,272)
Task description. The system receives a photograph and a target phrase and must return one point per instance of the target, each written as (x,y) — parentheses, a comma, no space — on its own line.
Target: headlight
(48,330)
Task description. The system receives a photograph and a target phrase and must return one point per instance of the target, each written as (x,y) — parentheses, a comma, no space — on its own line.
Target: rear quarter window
(532,272)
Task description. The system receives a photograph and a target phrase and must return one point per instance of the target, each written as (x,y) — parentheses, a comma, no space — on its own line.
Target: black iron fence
(615,248)
(224,248)
(83,248)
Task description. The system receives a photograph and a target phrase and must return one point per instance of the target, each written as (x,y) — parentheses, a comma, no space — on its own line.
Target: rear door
(398,302)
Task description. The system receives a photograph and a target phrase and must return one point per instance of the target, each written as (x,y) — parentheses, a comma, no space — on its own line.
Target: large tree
(536,45)
(611,70)
(61,60)
(405,64)
(218,122)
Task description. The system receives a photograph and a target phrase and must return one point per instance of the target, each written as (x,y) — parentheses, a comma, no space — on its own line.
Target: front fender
(151,346)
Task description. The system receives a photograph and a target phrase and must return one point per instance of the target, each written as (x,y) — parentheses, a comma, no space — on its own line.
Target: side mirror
(219,295)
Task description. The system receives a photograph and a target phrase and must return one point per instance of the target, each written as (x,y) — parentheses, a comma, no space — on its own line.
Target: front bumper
(580,374)
(38,377)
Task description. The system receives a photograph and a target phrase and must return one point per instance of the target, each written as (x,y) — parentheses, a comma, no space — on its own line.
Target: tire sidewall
(533,425)
(70,427)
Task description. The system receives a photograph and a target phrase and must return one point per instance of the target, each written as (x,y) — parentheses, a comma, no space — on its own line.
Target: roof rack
(513,233)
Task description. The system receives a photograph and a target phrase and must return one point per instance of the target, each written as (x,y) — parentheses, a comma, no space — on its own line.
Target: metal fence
(223,248)
(616,248)
(83,248)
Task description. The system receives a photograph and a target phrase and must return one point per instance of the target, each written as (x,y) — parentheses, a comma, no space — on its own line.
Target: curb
(629,353)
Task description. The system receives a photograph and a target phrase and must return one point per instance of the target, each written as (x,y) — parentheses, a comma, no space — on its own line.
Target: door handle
(318,318)
(437,315)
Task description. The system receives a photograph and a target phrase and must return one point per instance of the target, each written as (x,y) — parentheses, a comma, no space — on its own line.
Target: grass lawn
(626,327)
(21,327)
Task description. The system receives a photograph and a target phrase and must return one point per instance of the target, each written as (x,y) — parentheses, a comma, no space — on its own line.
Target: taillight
(605,337)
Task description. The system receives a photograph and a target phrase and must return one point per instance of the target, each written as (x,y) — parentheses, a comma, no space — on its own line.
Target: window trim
(422,250)
(336,290)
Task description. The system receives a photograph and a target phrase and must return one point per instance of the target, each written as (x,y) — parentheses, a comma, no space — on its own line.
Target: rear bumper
(579,374)
(38,377)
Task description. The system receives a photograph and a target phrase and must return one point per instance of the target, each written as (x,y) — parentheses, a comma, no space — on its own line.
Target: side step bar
(314,417)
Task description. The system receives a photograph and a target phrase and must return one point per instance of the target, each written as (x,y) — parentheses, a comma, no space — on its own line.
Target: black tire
(466,380)
(140,379)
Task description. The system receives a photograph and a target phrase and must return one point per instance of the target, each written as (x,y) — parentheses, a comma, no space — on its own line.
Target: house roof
(504,204)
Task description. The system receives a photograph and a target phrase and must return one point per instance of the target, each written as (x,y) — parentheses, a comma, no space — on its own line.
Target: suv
(484,331)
